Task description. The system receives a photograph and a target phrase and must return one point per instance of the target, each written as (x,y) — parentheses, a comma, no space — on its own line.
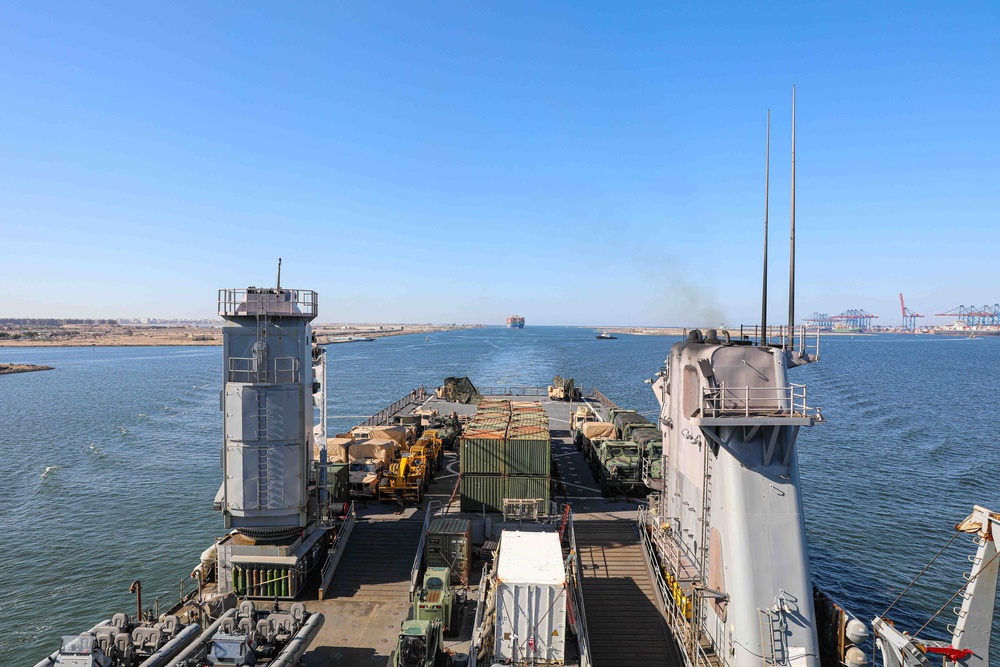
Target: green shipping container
(449,544)
(481,492)
(529,487)
(527,457)
(480,456)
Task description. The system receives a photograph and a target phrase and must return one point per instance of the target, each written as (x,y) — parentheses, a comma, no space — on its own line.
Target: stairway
(619,599)
(376,564)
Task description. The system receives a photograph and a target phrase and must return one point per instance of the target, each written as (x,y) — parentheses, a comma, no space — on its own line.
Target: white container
(531,600)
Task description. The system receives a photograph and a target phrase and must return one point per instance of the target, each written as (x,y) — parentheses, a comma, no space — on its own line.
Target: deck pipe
(51,659)
(203,640)
(183,638)
(298,644)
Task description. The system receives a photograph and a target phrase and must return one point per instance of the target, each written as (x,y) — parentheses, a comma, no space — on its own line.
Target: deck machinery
(272,497)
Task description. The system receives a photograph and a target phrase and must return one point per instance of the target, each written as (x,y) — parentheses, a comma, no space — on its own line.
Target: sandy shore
(6,369)
(105,335)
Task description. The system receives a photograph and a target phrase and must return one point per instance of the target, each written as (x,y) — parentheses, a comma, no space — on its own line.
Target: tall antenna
(279,274)
(767,186)
(791,263)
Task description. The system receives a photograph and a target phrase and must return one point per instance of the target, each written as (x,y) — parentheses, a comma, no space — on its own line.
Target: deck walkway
(623,621)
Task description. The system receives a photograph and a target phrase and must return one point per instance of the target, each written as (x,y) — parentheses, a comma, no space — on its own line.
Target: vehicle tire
(392,658)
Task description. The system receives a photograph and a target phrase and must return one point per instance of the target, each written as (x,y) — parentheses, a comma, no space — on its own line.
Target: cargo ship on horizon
(515,322)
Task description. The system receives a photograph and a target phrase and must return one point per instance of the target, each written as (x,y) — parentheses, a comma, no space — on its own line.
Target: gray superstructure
(728,523)
(267,400)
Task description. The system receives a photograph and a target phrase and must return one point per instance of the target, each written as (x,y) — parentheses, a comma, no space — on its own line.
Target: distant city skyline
(575,164)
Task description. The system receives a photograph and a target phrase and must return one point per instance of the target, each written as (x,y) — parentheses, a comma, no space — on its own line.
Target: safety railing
(697,647)
(574,575)
(274,370)
(418,395)
(802,338)
(433,506)
(596,394)
(334,554)
(513,391)
(253,301)
(790,401)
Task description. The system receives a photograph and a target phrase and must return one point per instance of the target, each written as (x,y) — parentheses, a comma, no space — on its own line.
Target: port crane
(909,317)
(855,319)
(986,316)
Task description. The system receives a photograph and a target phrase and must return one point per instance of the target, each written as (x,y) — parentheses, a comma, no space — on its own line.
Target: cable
(957,533)
(964,586)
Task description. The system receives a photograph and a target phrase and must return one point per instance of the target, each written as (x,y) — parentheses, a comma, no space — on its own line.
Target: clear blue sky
(576,163)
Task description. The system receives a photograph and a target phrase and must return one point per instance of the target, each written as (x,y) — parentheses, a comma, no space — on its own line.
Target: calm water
(110,462)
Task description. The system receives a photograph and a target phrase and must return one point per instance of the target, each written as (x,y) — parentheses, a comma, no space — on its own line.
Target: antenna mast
(767,186)
(279,274)
(791,263)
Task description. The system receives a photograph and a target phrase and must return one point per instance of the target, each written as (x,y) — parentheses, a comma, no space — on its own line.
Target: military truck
(625,421)
(438,601)
(563,389)
(616,466)
(420,644)
(650,443)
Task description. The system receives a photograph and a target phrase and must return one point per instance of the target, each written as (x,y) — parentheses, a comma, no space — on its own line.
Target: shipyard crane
(986,316)
(821,320)
(909,317)
(855,319)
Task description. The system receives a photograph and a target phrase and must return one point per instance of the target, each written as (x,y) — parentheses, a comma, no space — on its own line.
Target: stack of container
(506,452)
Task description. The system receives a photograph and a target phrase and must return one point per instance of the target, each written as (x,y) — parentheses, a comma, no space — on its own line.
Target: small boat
(604,335)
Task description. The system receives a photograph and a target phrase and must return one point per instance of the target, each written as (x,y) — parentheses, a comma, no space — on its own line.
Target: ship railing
(574,576)
(802,338)
(268,301)
(602,399)
(790,401)
(274,370)
(336,551)
(417,396)
(433,507)
(513,391)
(698,646)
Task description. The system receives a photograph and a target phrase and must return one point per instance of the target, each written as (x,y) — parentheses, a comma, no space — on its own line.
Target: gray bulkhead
(267,398)
(729,407)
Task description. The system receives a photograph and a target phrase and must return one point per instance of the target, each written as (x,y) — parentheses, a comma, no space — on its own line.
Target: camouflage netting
(567,384)
(459,390)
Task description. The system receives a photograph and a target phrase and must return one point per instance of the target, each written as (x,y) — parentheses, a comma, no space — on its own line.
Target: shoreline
(137,336)
(10,369)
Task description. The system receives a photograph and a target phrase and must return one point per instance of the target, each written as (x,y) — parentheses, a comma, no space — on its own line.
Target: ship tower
(273,401)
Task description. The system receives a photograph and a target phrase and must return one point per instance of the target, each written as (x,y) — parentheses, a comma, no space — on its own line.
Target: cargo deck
(369,596)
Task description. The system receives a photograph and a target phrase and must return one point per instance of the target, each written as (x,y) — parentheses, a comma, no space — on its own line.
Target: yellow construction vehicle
(434,450)
(407,478)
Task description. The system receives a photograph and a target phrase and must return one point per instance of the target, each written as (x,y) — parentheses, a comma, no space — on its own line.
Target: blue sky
(577,163)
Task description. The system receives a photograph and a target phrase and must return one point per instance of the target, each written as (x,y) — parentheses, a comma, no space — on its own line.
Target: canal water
(110,462)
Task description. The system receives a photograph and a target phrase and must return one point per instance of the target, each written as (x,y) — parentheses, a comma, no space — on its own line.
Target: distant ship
(604,335)
(515,322)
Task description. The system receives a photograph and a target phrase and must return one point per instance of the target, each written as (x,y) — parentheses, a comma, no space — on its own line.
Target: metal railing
(790,401)
(334,554)
(574,576)
(418,395)
(276,370)
(433,506)
(803,339)
(513,391)
(687,633)
(602,399)
(254,301)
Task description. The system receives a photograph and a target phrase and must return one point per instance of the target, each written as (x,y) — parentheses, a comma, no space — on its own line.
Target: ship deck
(369,594)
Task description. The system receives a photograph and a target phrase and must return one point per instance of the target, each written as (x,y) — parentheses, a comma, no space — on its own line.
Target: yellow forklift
(407,478)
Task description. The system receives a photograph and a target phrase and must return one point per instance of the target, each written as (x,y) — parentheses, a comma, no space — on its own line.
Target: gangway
(617,585)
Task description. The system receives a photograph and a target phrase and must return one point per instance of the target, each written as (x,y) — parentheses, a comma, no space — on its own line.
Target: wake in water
(143,416)
(94,450)
(49,469)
